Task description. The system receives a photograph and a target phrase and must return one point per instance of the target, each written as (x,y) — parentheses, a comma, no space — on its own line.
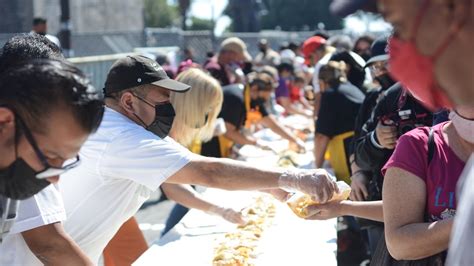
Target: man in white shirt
(45,210)
(130,156)
(47,111)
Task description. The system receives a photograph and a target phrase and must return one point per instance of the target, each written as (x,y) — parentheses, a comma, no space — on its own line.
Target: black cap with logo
(133,71)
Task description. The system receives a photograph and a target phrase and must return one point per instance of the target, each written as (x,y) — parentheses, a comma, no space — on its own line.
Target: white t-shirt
(317,67)
(122,163)
(460,249)
(44,208)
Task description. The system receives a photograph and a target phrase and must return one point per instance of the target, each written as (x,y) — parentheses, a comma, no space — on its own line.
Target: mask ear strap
(141,121)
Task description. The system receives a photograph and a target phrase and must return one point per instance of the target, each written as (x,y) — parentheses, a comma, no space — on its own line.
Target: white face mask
(464,126)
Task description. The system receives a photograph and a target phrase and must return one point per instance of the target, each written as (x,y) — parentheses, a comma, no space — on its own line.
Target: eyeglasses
(48,170)
(377,67)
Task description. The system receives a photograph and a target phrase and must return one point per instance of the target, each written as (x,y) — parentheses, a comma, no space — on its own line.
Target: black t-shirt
(337,114)
(233,112)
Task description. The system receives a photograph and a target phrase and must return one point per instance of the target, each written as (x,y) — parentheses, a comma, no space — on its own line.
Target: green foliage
(201,24)
(297,15)
(159,14)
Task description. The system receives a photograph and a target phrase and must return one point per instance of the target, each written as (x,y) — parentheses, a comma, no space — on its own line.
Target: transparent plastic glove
(316,183)
(228,214)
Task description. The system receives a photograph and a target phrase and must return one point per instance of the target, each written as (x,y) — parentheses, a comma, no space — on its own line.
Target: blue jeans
(177,213)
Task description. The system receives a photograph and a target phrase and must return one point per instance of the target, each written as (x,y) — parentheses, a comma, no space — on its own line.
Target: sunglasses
(48,170)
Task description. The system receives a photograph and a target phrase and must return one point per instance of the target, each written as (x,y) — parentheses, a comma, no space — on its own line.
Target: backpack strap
(431,145)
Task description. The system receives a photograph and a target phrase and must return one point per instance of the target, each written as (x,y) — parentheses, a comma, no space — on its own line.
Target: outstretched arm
(234,175)
(186,196)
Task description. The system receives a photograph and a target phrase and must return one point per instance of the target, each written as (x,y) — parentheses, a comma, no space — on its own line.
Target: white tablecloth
(289,241)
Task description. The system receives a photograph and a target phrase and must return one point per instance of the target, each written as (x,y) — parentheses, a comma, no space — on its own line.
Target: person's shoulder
(114,124)
(394,90)
(417,136)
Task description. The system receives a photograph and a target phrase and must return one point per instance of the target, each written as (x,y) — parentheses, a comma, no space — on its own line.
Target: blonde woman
(196,114)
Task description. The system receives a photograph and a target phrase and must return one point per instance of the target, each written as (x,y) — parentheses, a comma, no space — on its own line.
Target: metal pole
(65,31)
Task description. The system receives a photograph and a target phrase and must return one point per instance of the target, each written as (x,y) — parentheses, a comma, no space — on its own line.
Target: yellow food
(299,201)
(238,248)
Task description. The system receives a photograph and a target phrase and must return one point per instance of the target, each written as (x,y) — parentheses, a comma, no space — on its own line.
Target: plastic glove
(317,183)
(228,214)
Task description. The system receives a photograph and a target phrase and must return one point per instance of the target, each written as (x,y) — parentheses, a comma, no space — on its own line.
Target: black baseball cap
(136,70)
(344,8)
(379,50)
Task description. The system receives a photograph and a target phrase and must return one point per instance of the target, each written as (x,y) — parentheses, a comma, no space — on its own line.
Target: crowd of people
(393,117)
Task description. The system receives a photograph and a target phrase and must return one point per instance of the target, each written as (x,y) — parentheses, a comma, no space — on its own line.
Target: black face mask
(164,117)
(19,181)
(385,81)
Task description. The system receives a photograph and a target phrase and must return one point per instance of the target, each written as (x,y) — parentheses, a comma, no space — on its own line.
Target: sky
(204,9)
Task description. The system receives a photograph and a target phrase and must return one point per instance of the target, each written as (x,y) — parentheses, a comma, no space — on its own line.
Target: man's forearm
(226,174)
(52,246)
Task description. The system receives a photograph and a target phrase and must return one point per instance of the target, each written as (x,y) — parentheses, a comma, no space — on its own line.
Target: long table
(288,241)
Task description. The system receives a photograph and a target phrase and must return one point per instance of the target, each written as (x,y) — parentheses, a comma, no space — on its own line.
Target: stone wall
(88,16)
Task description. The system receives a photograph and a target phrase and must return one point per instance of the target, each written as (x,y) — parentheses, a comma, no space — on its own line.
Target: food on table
(288,159)
(239,248)
(299,201)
